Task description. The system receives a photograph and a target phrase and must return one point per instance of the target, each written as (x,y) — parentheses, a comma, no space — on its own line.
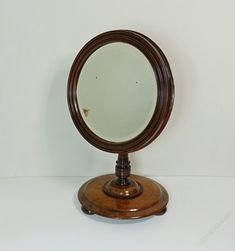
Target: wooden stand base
(151,200)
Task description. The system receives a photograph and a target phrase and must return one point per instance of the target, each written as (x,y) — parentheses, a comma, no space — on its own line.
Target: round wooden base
(151,201)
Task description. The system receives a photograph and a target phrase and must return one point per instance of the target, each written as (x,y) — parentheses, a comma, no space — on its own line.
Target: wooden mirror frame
(132,194)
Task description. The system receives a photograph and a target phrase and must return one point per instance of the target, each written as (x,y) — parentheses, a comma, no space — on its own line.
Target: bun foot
(86,211)
(163,211)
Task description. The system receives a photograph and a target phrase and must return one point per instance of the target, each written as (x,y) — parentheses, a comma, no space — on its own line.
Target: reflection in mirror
(117,92)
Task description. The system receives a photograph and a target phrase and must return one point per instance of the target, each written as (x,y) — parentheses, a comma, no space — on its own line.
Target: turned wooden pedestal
(123,196)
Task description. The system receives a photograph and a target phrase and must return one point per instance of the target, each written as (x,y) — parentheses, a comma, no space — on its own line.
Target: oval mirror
(120,96)
(117,92)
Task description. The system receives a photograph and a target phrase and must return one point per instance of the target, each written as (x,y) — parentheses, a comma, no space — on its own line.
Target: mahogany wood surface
(123,195)
(164,82)
(94,200)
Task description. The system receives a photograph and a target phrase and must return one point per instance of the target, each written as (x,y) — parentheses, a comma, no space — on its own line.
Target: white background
(44,214)
(38,42)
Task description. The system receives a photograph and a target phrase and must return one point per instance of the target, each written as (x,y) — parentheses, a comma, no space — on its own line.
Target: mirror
(117,92)
(120,96)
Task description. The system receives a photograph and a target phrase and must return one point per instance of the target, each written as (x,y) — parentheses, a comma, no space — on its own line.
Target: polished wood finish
(122,186)
(123,169)
(164,82)
(114,189)
(123,195)
(152,201)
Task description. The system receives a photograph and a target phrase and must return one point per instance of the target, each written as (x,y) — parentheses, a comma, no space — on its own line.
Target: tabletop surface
(42,213)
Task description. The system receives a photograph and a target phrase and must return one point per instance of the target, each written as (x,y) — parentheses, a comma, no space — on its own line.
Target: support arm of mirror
(123,169)
(122,186)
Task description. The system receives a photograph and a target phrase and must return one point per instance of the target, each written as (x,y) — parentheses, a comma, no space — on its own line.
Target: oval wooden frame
(164,81)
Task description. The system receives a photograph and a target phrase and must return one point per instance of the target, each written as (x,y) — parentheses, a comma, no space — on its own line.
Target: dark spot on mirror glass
(86,111)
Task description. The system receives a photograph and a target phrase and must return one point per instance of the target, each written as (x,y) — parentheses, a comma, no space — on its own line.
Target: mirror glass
(117,92)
